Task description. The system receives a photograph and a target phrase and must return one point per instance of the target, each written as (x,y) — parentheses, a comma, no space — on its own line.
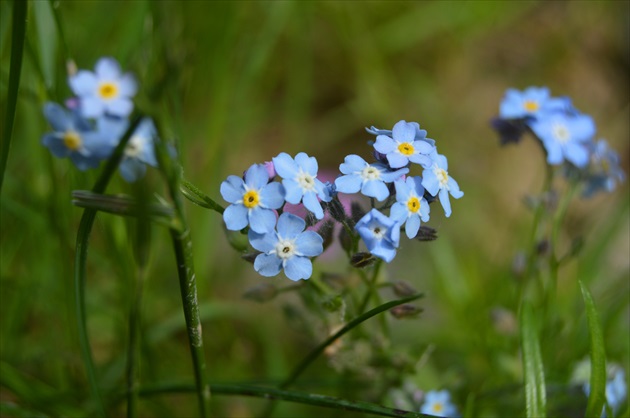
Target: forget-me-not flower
(139,151)
(288,248)
(410,206)
(106,90)
(565,136)
(75,138)
(438,403)
(370,179)
(299,178)
(403,146)
(252,200)
(436,181)
(528,103)
(605,171)
(380,234)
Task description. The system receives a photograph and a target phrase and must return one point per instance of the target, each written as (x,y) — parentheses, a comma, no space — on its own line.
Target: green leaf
(195,195)
(535,395)
(597,396)
(48,41)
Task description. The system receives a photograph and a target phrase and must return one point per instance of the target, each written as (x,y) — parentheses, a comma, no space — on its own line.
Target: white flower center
(370,173)
(379,231)
(442,176)
(560,132)
(285,248)
(306,181)
(134,146)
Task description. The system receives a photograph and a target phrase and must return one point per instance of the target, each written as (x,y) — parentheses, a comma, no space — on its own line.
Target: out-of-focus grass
(237,82)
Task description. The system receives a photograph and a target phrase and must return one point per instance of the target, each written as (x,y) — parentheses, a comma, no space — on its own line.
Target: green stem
(133,347)
(371,284)
(17,52)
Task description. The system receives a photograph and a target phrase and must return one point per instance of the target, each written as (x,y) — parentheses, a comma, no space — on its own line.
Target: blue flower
(252,200)
(370,179)
(410,205)
(75,138)
(106,90)
(437,181)
(530,102)
(604,171)
(289,248)
(421,134)
(380,234)
(438,403)
(564,136)
(139,151)
(299,178)
(404,146)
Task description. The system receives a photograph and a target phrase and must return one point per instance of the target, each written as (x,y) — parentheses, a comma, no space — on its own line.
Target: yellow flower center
(442,176)
(251,199)
(413,204)
(405,148)
(531,105)
(438,407)
(108,90)
(72,140)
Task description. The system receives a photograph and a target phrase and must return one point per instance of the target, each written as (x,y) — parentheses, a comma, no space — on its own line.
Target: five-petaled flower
(139,151)
(530,102)
(370,179)
(380,234)
(405,146)
(299,178)
(252,200)
(105,91)
(438,403)
(288,248)
(410,206)
(437,181)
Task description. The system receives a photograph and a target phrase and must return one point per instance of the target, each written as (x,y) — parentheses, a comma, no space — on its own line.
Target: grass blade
(535,395)
(597,395)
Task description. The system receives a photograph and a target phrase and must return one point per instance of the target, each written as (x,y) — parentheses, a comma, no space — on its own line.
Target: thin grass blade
(535,395)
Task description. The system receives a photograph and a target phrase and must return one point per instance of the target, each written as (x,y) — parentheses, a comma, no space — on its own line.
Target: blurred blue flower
(437,181)
(380,234)
(410,206)
(604,171)
(530,102)
(404,146)
(370,179)
(139,151)
(289,248)
(299,178)
(438,403)
(616,389)
(75,138)
(252,200)
(106,90)
(564,136)
(421,134)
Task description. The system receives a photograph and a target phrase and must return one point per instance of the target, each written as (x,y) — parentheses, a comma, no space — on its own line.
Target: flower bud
(402,289)
(426,233)
(406,310)
(335,208)
(361,260)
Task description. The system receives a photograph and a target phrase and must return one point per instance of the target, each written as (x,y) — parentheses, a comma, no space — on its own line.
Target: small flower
(289,248)
(370,179)
(436,180)
(604,171)
(410,206)
(438,403)
(139,151)
(380,234)
(530,102)
(106,90)
(564,136)
(299,178)
(75,138)
(404,146)
(252,200)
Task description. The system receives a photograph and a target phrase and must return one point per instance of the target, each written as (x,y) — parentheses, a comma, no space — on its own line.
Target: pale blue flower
(565,136)
(106,90)
(380,234)
(299,178)
(438,403)
(403,147)
(421,134)
(288,248)
(252,200)
(604,171)
(139,151)
(75,138)
(370,179)
(529,103)
(410,206)
(437,182)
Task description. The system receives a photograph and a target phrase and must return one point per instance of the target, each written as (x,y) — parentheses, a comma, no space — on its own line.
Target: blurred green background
(235,83)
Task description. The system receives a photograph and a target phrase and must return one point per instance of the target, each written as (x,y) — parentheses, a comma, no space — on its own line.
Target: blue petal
(389,176)
(297,268)
(309,243)
(430,182)
(412,226)
(285,165)
(577,154)
(375,188)
(404,132)
(385,251)
(262,242)
(120,106)
(267,265)
(425,209)
(384,144)
(83,83)
(397,160)
(107,68)
(132,169)
(554,152)
(311,203)
(292,191)
(57,116)
(350,183)
(256,176)
(55,145)
(453,188)
(290,226)
(83,162)
(424,160)
(232,189)
(261,220)
(415,184)
(308,164)
(235,217)
(399,212)
(92,107)
(272,195)
(402,190)
(446,203)
(127,85)
(351,164)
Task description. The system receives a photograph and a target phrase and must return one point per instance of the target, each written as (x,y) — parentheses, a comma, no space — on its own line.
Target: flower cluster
(263,205)
(93,122)
(566,135)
